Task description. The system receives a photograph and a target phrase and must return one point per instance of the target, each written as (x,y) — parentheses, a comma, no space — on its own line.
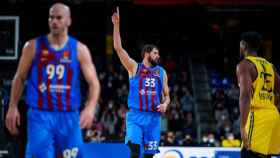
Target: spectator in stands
(209,140)
(230,141)
(187,101)
(164,123)
(109,118)
(189,125)
(188,141)
(170,139)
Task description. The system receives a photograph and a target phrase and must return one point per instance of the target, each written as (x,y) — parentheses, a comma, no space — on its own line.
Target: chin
(55,33)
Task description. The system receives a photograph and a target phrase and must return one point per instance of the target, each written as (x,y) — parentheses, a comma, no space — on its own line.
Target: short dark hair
(147,48)
(253,40)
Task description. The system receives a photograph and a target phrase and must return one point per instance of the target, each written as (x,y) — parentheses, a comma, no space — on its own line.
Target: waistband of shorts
(255,108)
(54,111)
(146,112)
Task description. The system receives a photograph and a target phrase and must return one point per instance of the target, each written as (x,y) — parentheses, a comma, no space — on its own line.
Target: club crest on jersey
(144,72)
(65,57)
(45,53)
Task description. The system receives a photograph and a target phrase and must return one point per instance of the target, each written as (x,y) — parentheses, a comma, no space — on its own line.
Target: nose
(54,20)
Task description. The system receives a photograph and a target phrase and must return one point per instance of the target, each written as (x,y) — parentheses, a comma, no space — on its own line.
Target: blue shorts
(143,128)
(53,134)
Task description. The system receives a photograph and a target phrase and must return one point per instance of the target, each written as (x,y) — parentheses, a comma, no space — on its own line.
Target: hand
(87,117)
(13,120)
(162,108)
(245,139)
(116,17)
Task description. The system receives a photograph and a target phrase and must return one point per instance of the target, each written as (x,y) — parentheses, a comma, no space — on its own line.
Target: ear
(69,22)
(145,54)
(243,45)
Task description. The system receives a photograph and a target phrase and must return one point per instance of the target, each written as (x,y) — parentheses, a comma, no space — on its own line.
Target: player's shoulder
(82,51)
(30,44)
(162,68)
(246,66)
(245,63)
(35,40)
(81,46)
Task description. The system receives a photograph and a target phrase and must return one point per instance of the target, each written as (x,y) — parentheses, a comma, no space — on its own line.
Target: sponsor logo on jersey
(42,87)
(147,92)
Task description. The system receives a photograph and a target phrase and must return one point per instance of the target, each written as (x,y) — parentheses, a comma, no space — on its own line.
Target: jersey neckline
(53,49)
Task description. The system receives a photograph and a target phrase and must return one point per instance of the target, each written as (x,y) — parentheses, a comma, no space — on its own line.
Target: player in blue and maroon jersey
(148,96)
(52,64)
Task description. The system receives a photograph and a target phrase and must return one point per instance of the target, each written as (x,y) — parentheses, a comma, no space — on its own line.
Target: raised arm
(90,75)
(129,64)
(13,117)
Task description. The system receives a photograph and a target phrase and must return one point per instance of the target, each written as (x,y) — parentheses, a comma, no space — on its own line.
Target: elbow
(117,47)
(97,87)
(18,79)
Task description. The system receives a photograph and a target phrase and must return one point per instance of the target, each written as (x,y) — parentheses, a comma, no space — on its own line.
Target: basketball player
(51,64)
(259,88)
(148,85)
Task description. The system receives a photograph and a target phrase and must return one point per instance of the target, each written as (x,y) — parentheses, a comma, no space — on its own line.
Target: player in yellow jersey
(259,90)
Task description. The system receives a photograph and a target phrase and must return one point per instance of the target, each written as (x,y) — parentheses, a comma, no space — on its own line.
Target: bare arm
(126,61)
(13,115)
(25,62)
(165,95)
(245,83)
(277,88)
(89,73)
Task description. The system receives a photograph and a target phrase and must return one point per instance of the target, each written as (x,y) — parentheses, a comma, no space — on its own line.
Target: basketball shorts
(263,127)
(53,134)
(143,128)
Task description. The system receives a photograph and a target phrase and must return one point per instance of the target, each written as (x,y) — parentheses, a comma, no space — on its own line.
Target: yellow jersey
(263,86)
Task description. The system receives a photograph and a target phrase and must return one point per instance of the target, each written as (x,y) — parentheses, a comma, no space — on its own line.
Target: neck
(251,53)
(58,40)
(146,63)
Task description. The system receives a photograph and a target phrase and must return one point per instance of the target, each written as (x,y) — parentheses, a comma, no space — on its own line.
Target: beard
(154,62)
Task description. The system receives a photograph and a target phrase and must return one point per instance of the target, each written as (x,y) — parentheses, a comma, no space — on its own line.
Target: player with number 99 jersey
(53,80)
(53,97)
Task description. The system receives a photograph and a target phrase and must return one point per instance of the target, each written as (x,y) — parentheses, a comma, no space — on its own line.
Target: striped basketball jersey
(53,80)
(263,86)
(145,88)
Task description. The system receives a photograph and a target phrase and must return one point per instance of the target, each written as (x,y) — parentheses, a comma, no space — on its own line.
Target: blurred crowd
(225,96)
(178,126)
